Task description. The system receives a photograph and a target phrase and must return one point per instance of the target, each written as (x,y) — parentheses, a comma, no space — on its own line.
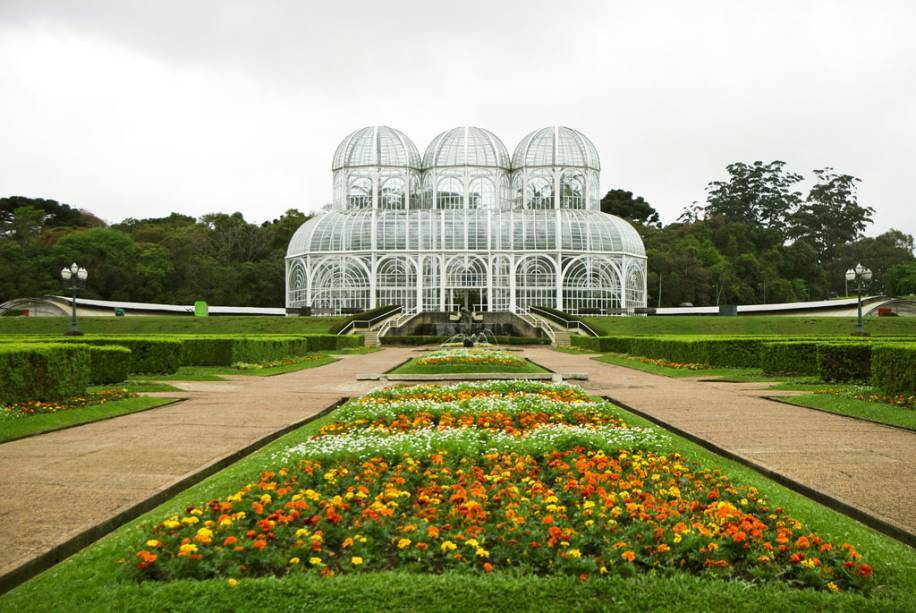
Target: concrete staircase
(371,338)
(560,336)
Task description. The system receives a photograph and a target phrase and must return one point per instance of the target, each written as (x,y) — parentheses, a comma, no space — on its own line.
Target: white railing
(540,325)
(397,322)
(368,323)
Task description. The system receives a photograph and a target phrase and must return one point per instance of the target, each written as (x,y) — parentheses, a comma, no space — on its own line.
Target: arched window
(535,283)
(450,193)
(359,193)
(391,193)
(481,194)
(340,285)
(396,282)
(518,192)
(590,285)
(540,193)
(572,191)
(635,289)
(297,285)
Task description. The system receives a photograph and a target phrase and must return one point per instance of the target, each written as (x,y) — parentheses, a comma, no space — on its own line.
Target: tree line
(756,238)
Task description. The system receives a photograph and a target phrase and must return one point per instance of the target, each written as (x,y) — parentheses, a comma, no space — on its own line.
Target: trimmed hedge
(602,344)
(108,363)
(842,362)
(42,371)
(435,340)
(789,358)
(893,367)
(225,351)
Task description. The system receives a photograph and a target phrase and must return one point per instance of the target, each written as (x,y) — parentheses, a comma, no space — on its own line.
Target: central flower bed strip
(520,476)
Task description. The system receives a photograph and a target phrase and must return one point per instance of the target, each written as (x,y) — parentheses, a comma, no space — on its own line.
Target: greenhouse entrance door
(471,298)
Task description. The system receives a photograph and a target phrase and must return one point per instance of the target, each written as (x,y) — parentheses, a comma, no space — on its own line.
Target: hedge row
(435,340)
(42,371)
(789,358)
(893,367)
(108,363)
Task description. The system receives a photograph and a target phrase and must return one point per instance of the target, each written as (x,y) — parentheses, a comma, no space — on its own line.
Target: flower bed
(489,357)
(280,362)
(35,407)
(871,394)
(523,477)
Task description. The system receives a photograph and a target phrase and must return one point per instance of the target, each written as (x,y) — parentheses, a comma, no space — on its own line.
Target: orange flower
(260,544)
(488,567)
(629,556)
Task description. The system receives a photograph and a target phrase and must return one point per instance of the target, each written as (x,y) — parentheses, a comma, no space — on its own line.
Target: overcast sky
(138,109)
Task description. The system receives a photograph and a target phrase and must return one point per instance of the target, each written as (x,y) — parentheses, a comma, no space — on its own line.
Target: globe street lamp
(861,276)
(76,277)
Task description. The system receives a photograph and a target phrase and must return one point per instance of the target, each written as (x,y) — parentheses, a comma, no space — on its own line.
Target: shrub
(263,349)
(108,363)
(844,361)
(790,358)
(42,371)
(206,351)
(893,367)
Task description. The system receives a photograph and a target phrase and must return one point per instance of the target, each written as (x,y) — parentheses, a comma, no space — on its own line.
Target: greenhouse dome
(467,226)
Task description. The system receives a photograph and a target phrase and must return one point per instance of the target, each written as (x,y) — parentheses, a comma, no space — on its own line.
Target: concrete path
(58,485)
(869,467)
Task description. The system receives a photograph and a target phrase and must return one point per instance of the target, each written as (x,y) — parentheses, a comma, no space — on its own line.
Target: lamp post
(861,276)
(74,279)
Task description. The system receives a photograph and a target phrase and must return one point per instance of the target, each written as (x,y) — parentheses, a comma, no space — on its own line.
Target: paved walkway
(59,484)
(867,466)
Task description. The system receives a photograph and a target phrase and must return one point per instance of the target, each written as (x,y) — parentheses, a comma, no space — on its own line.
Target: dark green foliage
(602,344)
(109,363)
(893,367)
(785,327)
(436,340)
(791,358)
(206,351)
(842,362)
(636,210)
(42,371)
(713,351)
(185,325)
(362,316)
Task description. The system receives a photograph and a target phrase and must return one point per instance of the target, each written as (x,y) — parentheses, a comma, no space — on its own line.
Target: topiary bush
(206,351)
(108,364)
(842,362)
(893,367)
(789,358)
(42,371)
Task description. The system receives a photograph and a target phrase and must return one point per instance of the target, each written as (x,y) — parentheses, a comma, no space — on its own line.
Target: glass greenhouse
(466,225)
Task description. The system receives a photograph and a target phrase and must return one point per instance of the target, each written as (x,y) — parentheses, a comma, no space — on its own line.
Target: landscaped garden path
(61,484)
(866,466)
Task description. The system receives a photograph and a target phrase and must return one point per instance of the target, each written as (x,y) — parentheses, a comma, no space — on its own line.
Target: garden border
(868,421)
(170,402)
(61,552)
(904,536)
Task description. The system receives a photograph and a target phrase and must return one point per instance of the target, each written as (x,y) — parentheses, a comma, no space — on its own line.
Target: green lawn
(730,374)
(11,429)
(92,580)
(216,373)
(135,386)
(880,412)
(749,325)
(412,368)
(170,325)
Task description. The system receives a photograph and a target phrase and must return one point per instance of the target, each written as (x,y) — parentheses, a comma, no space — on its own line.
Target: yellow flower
(356,560)
(833,587)
(232,582)
(403,543)
(190,520)
(472,542)
(294,560)
(316,561)
(152,543)
(482,553)
(186,550)
(575,553)
(448,546)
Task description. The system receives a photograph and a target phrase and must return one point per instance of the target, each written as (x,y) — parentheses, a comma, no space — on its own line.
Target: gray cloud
(139,109)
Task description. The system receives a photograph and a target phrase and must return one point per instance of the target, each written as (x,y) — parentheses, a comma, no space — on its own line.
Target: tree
(831,215)
(623,204)
(755,194)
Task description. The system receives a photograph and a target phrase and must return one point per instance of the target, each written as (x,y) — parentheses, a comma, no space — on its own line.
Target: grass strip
(13,429)
(879,412)
(217,373)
